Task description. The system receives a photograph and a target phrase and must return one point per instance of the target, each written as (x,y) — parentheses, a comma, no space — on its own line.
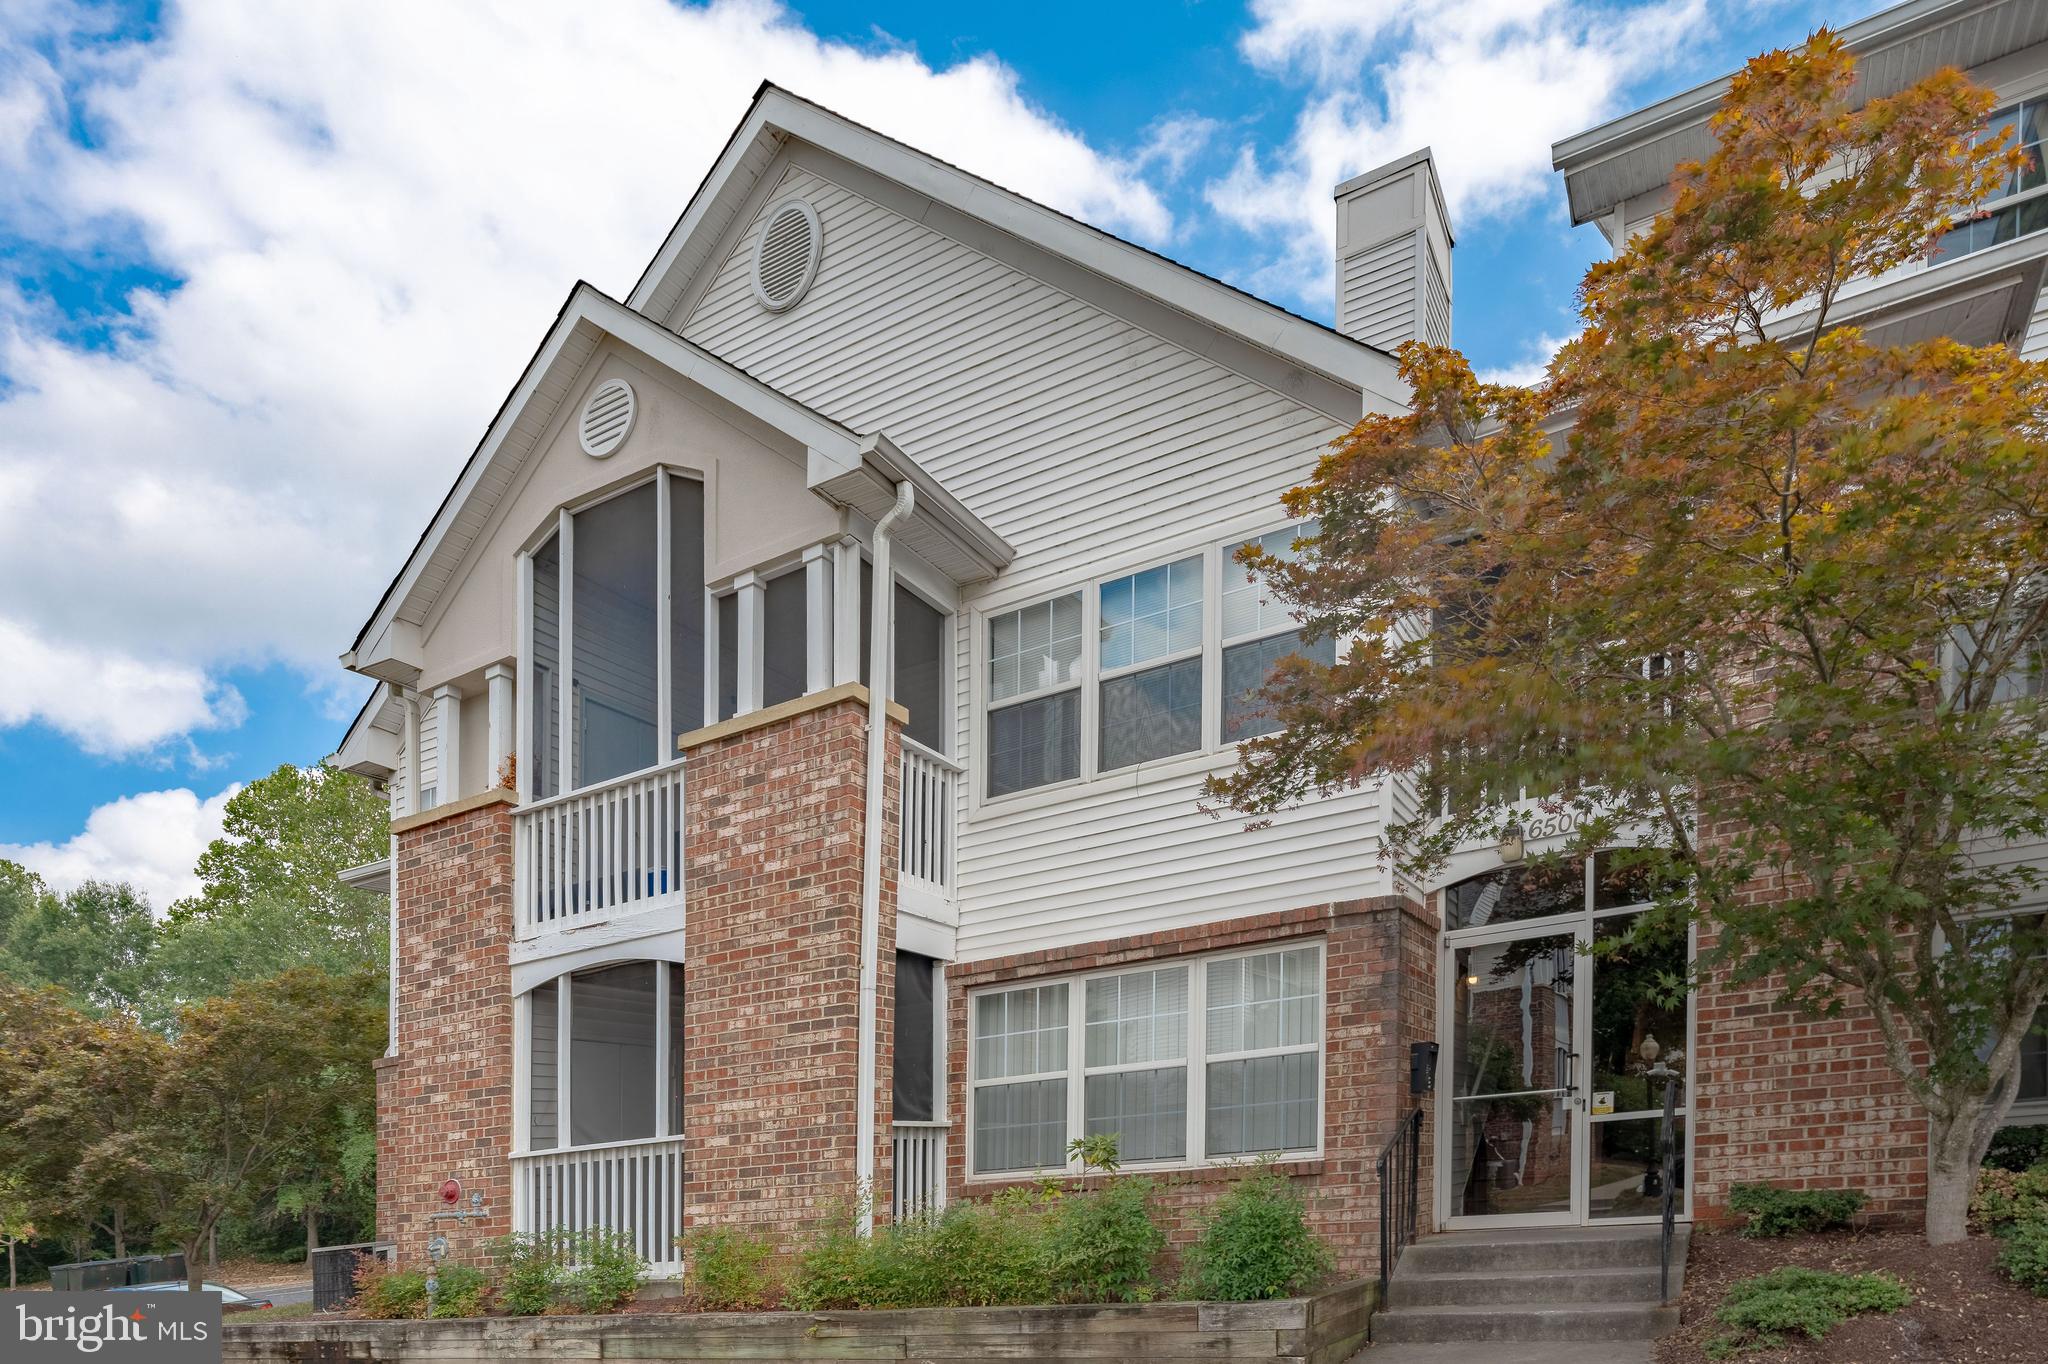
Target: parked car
(229,1297)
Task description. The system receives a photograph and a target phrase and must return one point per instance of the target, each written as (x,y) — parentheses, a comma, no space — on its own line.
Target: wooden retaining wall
(1324,1329)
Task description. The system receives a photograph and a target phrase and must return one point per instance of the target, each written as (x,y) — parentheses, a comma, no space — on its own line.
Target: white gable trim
(777,116)
(834,454)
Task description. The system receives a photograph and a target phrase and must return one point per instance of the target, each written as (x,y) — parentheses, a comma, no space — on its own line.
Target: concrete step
(1565,1249)
(1623,1283)
(1531,1322)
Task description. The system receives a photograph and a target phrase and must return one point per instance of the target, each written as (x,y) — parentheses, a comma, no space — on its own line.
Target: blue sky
(266,271)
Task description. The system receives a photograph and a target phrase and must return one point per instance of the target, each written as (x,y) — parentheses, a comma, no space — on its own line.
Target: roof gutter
(880,653)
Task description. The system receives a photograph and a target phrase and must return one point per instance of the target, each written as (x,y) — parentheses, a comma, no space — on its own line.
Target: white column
(753,625)
(448,743)
(504,719)
(817,619)
(411,701)
(846,611)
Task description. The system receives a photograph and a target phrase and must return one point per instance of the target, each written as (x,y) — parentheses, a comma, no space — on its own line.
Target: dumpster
(334,1270)
(89,1275)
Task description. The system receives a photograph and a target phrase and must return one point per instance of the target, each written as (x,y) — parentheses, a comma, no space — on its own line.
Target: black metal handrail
(1667,1162)
(1400,1167)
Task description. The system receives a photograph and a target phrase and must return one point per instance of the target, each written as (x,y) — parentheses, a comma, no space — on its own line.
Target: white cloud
(107,702)
(1531,368)
(1488,85)
(151,840)
(373,211)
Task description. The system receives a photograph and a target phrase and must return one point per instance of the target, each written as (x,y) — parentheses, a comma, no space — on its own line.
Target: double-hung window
(2019,205)
(1151,664)
(1259,631)
(1034,695)
(1182,1062)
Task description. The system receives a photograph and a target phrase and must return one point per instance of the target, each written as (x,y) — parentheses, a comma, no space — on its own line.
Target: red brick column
(444,1102)
(774,815)
(1379,963)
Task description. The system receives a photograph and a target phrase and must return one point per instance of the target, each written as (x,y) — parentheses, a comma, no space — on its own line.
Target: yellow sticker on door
(1603,1101)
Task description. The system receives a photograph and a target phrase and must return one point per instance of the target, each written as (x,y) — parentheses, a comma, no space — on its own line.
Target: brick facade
(444,1102)
(773,825)
(1379,996)
(774,818)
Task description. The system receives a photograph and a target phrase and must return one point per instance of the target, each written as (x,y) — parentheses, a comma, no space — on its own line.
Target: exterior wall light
(1511,848)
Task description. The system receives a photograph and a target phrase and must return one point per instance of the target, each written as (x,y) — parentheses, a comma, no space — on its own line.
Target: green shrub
(531,1267)
(1762,1311)
(1773,1211)
(731,1269)
(1102,1245)
(607,1272)
(2024,1256)
(387,1293)
(2003,1198)
(463,1291)
(991,1254)
(1255,1243)
(2018,1148)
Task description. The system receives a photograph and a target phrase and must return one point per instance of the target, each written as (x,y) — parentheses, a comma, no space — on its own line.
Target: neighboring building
(690,927)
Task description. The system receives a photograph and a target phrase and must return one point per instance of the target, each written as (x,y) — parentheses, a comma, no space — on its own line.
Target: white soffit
(1637,152)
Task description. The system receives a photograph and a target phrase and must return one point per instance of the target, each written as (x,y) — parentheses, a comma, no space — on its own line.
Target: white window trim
(665,1000)
(1197,1061)
(1089,675)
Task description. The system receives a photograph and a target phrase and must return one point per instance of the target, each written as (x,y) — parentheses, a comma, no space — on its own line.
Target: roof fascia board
(776,113)
(691,362)
(2003,266)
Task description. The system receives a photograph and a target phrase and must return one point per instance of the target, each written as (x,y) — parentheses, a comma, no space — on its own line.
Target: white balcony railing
(930,782)
(919,1164)
(603,851)
(630,1186)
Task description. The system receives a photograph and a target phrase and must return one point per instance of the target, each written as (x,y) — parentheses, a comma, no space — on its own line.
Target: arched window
(604,1056)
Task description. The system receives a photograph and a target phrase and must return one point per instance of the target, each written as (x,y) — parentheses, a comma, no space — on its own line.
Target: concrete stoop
(1553,1284)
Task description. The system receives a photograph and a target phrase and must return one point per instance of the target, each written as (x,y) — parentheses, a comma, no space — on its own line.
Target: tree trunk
(312,1233)
(120,1233)
(1953,1157)
(10,1264)
(212,1246)
(195,1271)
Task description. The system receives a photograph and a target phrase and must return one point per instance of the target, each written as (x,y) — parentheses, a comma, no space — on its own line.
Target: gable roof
(1636,153)
(777,116)
(843,466)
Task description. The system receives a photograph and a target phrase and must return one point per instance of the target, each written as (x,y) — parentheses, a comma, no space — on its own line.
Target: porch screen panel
(547,669)
(543,1089)
(922,682)
(612,1021)
(912,1056)
(784,645)
(685,607)
(617,669)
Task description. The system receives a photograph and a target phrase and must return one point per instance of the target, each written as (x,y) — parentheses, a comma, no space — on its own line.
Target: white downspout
(880,653)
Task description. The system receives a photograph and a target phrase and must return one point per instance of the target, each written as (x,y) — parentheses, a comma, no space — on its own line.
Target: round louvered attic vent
(607,418)
(786,257)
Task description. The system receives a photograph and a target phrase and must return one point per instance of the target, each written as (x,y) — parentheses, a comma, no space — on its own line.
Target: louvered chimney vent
(607,418)
(786,257)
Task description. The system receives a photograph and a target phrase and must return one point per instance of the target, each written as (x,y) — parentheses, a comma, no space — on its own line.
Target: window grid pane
(1034,743)
(1249,607)
(1021,1126)
(1021,1032)
(1246,669)
(1152,714)
(1034,647)
(1137,1017)
(1262,1103)
(1264,1003)
(1146,1110)
(1152,614)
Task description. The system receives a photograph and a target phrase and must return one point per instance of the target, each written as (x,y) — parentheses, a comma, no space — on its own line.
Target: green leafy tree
(17,1218)
(94,943)
(1778,599)
(286,838)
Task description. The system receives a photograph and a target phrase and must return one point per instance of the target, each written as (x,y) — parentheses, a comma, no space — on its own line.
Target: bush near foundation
(2004,1199)
(1255,1244)
(1763,1310)
(1773,1211)
(731,1269)
(2018,1148)
(2024,1256)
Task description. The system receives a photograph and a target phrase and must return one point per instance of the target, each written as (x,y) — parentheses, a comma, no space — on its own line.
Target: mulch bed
(1963,1309)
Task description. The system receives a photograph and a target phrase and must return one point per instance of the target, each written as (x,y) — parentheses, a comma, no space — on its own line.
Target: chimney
(1394,255)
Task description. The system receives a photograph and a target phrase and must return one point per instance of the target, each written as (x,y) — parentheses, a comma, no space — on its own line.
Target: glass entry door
(1549,1107)
(1511,1104)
